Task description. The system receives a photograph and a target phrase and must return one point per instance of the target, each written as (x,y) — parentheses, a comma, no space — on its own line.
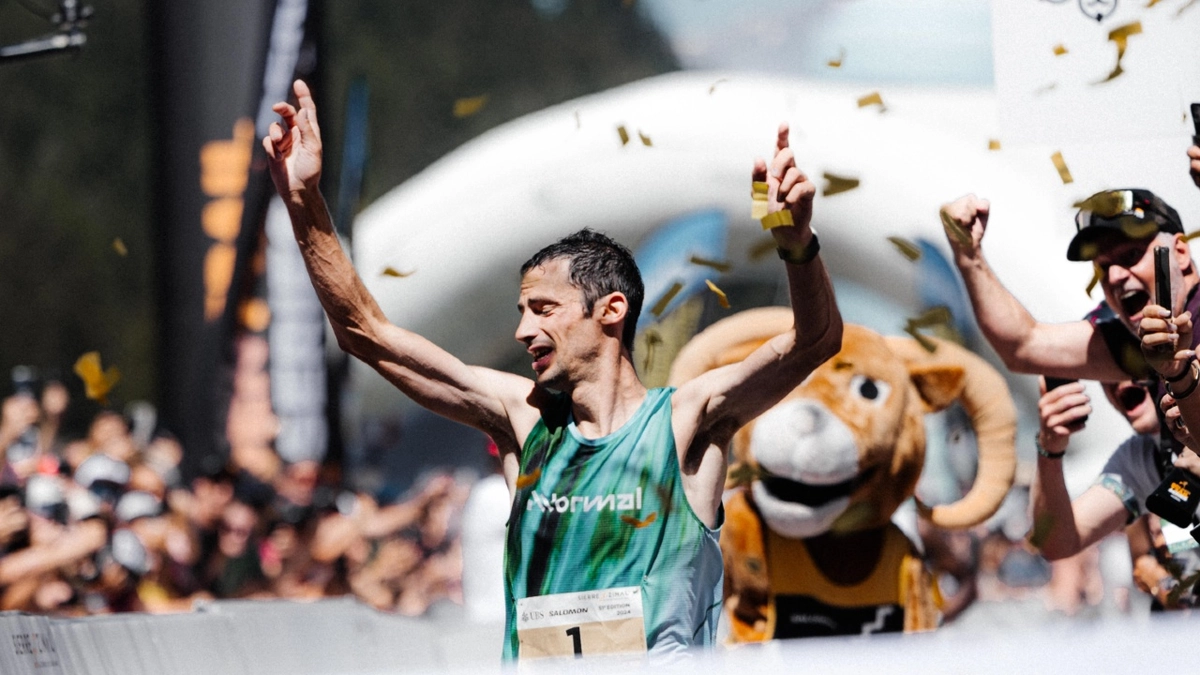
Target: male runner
(612,542)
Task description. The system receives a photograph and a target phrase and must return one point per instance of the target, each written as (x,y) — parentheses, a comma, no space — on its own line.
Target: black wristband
(1046,453)
(1190,388)
(1187,367)
(805,256)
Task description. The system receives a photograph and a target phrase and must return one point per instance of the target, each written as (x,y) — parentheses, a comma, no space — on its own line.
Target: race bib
(1178,539)
(579,624)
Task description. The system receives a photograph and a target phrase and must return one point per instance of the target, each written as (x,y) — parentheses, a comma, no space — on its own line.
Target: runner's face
(1127,276)
(554,328)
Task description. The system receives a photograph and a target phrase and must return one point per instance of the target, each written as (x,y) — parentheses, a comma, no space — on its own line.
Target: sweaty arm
(494,402)
(1073,350)
(710,408)
(1062,528)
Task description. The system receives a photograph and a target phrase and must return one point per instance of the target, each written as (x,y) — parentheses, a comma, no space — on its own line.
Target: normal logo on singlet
(614,501)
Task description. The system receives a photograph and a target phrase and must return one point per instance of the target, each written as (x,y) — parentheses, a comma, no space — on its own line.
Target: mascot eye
(870,389)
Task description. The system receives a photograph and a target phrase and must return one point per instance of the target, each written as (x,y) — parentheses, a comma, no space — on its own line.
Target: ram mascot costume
(809,545)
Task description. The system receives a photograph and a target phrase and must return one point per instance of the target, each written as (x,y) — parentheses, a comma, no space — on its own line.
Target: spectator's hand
(1061,412)
(787,188)
(1188,460)
(965,221)
(294,148)
(1162,338)
(1194,165)
(13,519)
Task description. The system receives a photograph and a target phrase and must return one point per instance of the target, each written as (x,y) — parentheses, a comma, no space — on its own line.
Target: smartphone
(1176,499)
(1196,123)
(1056,382)
(1162,278)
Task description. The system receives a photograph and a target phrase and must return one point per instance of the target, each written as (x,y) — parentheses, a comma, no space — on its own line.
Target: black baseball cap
(1131,213)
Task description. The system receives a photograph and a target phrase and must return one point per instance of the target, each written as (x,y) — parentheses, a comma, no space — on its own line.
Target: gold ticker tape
(1106,204)
(1045,88)
(529,479)
(578,123)
(761,249)
(993,144)
(838,184)
(758,207)
(777,219)
(1120,36)
(465,107)
(119,247)
(1191,235)
(872,98)
(1063,172)
(722,299)
(713,87)
(623,134)
(837,63)
(717,265)
(955,229)
(929,345)
(390,271)
(1059,50)
(934,316)
(1096,273)
(639,524)
(645,139)
(907,248)
(97,382)
(653,339)
(661,305)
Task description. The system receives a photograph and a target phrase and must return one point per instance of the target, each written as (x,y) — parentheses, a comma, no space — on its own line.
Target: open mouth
(1130,397)
(809,495)
(1132,302)
(541,357)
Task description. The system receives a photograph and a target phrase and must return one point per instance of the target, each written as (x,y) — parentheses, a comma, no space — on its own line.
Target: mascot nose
(808,419)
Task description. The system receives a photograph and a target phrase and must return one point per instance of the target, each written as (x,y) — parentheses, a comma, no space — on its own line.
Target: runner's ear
(612,308)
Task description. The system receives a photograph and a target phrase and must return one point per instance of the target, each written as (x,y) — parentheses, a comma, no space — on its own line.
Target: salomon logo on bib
(617,501)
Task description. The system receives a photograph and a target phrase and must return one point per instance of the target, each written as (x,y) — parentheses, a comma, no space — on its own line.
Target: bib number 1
(574,624)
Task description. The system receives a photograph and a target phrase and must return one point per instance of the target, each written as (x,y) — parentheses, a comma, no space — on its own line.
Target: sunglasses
(1138,213)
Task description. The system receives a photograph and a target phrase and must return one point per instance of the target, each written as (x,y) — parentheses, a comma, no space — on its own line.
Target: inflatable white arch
(464,225)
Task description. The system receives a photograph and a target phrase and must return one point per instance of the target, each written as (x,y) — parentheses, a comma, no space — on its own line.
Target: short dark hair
(598,266)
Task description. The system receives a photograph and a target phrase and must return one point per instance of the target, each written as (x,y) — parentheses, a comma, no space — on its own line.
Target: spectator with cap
(119,567)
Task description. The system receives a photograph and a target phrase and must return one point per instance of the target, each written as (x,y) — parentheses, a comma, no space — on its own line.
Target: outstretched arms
(1074,349)
(482,398)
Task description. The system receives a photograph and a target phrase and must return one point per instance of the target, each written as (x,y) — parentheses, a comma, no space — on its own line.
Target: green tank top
(611,513)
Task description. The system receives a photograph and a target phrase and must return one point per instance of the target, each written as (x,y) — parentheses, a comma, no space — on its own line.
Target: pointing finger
(782,141)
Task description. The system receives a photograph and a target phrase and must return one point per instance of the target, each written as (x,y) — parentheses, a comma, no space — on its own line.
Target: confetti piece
(97,383)
(929,345)
(627,3)
(653,339)
(743,474)
(390,271)
(530,479)
(1045,88)
(1153,3)
(837,184)
(837,63)
(1107,204)
(907,248)
(759,208)
(761,249)
(666,299)
(1191,235)
(722,299)
(639,524)
(623,134)
(713,87)
(1059,50)
(578,123)
(1120,36)
(1096,274)
(872,98)
(119,247)
(1063,172)
(1186,7)
(993,144)
(465,107)
(645,139)
(954,229)
(778,219)
(934,316)
(717,265)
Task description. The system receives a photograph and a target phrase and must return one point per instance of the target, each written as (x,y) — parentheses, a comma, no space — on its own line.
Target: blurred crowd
(106,523)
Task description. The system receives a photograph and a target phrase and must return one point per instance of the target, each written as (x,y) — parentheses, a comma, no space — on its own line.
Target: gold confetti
(717,265)
(954,229)
(390,271)
(645,139)
(627,3)
(993,144)
(1045,88)
(742,474)
(1063,172)
(929,345)
(623,134)
(119,247)
(713,87)
(837,63)
(1152,3)
(778,219)
(1191,235)
(872,98)
(1107,204)
(761,249)
(578,123)
(1059,50)
(759,207)
(97,382)
(661,305)
(907,248)
(838,184)
(1184,8)
(639,524)
(1096,274)
(529,479)
(465,107)
(653,339)
(934,316)
(722,299)
(1120,36)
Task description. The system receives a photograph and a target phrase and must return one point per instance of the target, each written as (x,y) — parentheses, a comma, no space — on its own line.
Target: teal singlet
(609,513)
